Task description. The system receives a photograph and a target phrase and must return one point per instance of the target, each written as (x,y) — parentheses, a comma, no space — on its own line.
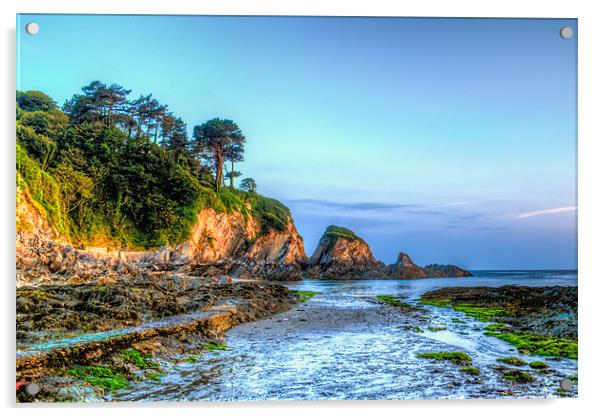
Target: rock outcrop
(549,311)
(446,270)
(342,255)
(234,244)
(405,268)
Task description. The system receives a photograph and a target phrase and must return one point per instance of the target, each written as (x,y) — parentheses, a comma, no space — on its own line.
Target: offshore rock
(343,255)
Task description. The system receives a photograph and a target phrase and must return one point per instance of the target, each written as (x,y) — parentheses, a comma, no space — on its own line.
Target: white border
(590,207)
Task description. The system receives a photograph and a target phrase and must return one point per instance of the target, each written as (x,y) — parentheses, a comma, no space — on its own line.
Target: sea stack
(405,268)
(341,254)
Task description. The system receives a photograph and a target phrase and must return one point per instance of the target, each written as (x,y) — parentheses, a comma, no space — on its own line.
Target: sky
(452,140)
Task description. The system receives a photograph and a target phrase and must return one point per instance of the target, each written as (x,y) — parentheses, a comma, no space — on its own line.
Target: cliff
(239,242)
(240,245)
(341,254)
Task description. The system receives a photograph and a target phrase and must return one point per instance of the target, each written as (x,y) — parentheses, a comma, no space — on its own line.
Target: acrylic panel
(229,208)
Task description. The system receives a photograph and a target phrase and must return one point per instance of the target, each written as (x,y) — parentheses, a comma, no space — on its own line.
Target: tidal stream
(342,344)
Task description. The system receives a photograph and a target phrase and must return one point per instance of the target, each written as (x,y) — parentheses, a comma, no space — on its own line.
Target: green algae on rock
(455,357)
(512,361)
(102,377)
(474,371)
(519,376)
(537,321)
(538,345)
(304,295)
(538,365)
(134,357)
(212,346)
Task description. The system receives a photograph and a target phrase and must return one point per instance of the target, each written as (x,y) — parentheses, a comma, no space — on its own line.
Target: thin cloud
(359,206)
(546,212)
(425,212)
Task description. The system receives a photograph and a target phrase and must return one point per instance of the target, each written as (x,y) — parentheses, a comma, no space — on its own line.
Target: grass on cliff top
(455,357)
(42,188)
(335,232)
(102,377)
(269,212)
(304,295)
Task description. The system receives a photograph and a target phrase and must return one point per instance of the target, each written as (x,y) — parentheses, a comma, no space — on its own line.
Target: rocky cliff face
(342,255)
(219,243)
(43,255)
(230,243)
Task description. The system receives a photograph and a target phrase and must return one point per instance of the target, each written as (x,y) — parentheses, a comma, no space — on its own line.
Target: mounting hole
(32,389)
(566,384)
(32,28)
(566,32)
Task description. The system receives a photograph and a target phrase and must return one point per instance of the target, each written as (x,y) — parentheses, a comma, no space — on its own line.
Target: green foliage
(248,185)
(42,187)
(134,357)
(102,377)
(38,146)
(455,357)
(216,141)
(102,177)
(34,101)
(269,212)
(50,123)
(304,295)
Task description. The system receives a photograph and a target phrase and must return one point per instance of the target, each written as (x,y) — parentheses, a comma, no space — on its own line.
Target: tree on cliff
(235,153)
(216,141)
(248,185)
(35,101)
(99,103)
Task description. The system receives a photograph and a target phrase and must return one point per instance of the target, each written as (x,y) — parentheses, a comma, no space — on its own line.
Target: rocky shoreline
(152,321)
(537,320)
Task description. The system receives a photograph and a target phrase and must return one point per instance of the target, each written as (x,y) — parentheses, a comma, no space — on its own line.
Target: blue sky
(453,140)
